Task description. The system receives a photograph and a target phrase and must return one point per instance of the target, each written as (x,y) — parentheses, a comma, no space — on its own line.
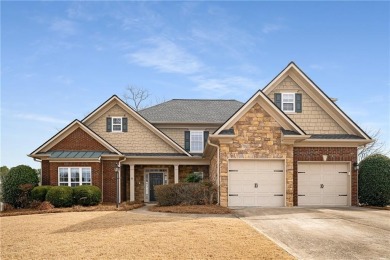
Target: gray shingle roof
(289,132)
(335,136)
(191,111)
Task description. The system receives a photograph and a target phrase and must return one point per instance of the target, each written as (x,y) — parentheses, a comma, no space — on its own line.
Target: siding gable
(137,139)
(313,119)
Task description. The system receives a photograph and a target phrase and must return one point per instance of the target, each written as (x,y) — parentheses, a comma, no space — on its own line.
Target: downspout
(102,171)
(218,188)
(40,176)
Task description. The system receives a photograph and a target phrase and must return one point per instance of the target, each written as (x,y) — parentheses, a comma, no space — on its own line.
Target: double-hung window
(74,176)
(196,141)
(117,124)
(288,102)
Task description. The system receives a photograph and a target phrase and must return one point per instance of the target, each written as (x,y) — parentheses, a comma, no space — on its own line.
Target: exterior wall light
(355,166)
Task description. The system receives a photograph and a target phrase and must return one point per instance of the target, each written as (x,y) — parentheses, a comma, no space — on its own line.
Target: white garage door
(256,183)
(323,184)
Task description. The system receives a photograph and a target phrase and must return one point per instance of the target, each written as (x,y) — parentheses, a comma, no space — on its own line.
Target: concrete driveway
(324,233)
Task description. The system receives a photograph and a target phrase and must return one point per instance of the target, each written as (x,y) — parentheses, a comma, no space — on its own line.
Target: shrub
(185,194)
(17,185)
(87,195)
(374,180)
(39,193)
(193,177)
(60,196)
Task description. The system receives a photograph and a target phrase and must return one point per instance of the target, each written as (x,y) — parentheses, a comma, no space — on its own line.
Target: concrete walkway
(318,233)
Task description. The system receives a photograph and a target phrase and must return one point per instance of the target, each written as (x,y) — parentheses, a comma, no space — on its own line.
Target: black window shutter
(108,124)
(298,102)
(205,137)
(124,124)
(278,100)
(187,141)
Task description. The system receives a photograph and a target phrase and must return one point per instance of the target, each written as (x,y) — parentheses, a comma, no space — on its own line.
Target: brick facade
(78,140)
(334,154)
(258,136)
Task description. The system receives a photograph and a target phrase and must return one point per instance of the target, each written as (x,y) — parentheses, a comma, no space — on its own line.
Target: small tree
(375,147)
(374,180)
(17,185)
(135,96)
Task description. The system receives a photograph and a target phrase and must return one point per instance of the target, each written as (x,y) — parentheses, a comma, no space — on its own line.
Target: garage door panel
(323,184)
(256,182)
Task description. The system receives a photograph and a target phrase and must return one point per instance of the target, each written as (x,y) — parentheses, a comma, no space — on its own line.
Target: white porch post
(132,193)
(176,173)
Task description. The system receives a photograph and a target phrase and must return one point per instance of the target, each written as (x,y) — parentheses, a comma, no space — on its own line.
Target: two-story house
(289,144)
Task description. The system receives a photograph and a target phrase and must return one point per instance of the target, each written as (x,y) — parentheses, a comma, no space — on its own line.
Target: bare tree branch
(136,96)
(376,147)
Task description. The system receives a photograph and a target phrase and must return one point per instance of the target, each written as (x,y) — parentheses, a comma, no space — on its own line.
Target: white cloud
(41,118)
(166,56)
(240,86)
(64,27)
(271,27)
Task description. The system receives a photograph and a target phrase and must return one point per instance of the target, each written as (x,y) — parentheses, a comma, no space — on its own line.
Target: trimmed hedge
(39,193)
(60,196)
(185,194)
(87,195)
(374,180)
(17,185)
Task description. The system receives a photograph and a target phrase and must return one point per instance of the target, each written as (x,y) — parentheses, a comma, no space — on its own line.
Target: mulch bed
(101,207)
(192,209)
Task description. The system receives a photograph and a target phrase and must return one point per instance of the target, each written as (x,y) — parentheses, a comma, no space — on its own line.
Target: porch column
(132,193)
(176,173)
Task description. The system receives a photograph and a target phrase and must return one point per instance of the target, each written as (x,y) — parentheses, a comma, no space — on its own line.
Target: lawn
(127,235)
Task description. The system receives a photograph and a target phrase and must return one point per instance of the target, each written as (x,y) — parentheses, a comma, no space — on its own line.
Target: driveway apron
(324,233)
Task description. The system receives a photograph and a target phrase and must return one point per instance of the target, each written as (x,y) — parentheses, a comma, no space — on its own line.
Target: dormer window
(288,104)
(117,124)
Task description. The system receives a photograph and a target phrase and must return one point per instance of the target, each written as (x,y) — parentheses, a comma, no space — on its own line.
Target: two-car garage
(262,182)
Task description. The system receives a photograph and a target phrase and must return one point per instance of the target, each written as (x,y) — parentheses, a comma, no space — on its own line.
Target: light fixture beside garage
(355,166)
(324,157)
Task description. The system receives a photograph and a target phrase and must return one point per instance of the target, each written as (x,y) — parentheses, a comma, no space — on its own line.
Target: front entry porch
(137,182)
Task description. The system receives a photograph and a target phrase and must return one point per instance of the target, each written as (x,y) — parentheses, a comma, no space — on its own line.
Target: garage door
(256,183)
(323,184)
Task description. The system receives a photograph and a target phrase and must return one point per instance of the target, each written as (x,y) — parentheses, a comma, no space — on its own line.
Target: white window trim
(69,175)
(197,132)
(293,102)
(112,124)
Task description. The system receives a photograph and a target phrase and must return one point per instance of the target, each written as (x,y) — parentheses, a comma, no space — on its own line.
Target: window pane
(196,141)
(288,107)
(74,175)
(86,175)
(117,121)
(117,127)
(288,98)
(63,175)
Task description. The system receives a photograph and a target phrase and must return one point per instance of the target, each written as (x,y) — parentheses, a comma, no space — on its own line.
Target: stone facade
(138,139)
(258,136)
(313,119)
(345,154)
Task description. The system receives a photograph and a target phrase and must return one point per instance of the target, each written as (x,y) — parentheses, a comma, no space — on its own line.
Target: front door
(154,179)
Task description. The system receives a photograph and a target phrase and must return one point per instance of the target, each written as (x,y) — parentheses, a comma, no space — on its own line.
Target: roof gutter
(218,171)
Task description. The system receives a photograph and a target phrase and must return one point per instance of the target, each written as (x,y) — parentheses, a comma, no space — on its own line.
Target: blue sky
(60,60)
